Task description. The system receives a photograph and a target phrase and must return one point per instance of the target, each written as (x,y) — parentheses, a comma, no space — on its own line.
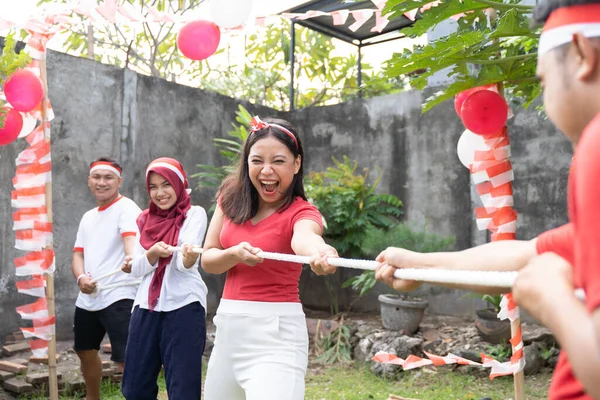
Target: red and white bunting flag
(36,136)
(387,358)
(449,359)
(108,9)
(43,328)
(36,310)
(39,152)
(415,362)
(360,18)
(31,175)
(34,239)
(39,348)
(130,13)
(339,17)
(503,236)
(495,197)
(380,22)
(33,287)
(35,263)
(498,174)
(28,197)
(24,218)
(508,308)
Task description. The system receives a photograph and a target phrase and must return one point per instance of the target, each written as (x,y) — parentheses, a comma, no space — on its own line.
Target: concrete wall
(102,110)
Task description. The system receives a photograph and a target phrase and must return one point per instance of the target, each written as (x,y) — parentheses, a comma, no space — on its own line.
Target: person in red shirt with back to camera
(568,257)
(261,343)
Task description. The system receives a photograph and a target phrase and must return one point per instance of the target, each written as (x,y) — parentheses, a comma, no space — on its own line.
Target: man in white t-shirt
(106,234)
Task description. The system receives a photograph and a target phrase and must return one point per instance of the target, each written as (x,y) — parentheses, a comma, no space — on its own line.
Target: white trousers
(260,352)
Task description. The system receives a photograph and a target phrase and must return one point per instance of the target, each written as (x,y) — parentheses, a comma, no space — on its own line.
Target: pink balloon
(460,98)
(24,90)
(484,112)
(198,40)
(13,123)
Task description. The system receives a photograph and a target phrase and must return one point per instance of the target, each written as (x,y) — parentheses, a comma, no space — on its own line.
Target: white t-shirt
(100,237)
(181,286)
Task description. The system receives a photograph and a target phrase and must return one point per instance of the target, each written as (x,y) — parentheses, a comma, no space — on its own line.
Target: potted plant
(401,312)
(490,328)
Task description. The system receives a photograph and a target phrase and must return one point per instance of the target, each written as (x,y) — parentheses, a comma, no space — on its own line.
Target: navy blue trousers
(173,339)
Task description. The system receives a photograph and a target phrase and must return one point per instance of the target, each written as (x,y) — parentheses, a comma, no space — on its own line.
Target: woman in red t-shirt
(261,344)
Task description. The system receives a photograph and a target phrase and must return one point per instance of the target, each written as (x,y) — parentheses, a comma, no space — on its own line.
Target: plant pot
(401,313)
(490,328)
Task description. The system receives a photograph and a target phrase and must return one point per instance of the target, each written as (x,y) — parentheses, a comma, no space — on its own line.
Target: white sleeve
(79,241)
(128,219)
(192,232)
(140,264)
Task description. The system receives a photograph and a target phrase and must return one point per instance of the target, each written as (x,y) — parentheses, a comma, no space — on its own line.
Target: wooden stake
(519,377)
(53,380)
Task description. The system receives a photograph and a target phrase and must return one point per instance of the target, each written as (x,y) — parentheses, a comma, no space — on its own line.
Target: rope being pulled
(496,279)
(478,278)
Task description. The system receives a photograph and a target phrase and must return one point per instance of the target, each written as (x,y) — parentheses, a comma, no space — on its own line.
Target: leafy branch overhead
(493,43)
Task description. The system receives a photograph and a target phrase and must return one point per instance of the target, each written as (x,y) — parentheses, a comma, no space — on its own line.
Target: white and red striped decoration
(33,231)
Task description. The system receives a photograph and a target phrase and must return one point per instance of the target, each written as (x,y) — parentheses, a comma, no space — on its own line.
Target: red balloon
(198,40)
(484,112)
(24,90)
(13,123)
(460,98)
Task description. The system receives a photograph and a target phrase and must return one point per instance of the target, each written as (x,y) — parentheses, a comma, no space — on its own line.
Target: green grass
(358,383)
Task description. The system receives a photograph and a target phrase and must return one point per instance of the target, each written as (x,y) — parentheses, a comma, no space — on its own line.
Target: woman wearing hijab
(168,324)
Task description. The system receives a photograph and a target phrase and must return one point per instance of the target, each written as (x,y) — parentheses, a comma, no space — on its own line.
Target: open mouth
(269,187)
(163,202)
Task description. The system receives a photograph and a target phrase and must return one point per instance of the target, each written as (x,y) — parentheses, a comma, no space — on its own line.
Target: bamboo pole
(515,326)
(52,380)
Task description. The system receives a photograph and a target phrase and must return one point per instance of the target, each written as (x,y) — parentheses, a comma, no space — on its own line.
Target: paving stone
(41,377)
(5,375)
(42,360)
(21,361)
(18,385)
(13,349)
(12,367)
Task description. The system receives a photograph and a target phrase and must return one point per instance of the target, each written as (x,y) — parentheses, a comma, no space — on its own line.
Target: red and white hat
(170,164)
(564,22)
(107,166)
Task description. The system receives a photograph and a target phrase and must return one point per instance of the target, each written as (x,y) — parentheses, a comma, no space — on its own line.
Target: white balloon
(467,144)
(29,124)
(230,13)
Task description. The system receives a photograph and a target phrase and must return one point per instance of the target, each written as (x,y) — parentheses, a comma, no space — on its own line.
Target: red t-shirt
(269,281)
(579,243)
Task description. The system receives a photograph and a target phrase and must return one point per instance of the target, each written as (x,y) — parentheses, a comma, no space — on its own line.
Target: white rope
(114,286)
(460,277)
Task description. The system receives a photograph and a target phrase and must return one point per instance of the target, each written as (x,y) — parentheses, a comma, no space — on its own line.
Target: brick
(18,386)
(41,377)
(4,375)
(12,367)
(42,360)
(106,364)
(13,349)
(116,378)
(21,361)
(15,337)
(107,348)
(108,372)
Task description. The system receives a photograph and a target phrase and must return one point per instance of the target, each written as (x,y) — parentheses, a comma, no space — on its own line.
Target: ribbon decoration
(33,231)
(413,361)
(58,16)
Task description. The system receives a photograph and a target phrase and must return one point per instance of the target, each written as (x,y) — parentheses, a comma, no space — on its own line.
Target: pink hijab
(163,225)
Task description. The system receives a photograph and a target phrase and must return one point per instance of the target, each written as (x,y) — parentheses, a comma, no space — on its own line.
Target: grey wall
(103,110)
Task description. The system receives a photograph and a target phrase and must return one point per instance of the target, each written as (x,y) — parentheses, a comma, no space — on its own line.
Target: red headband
(564,22)
(256,124)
